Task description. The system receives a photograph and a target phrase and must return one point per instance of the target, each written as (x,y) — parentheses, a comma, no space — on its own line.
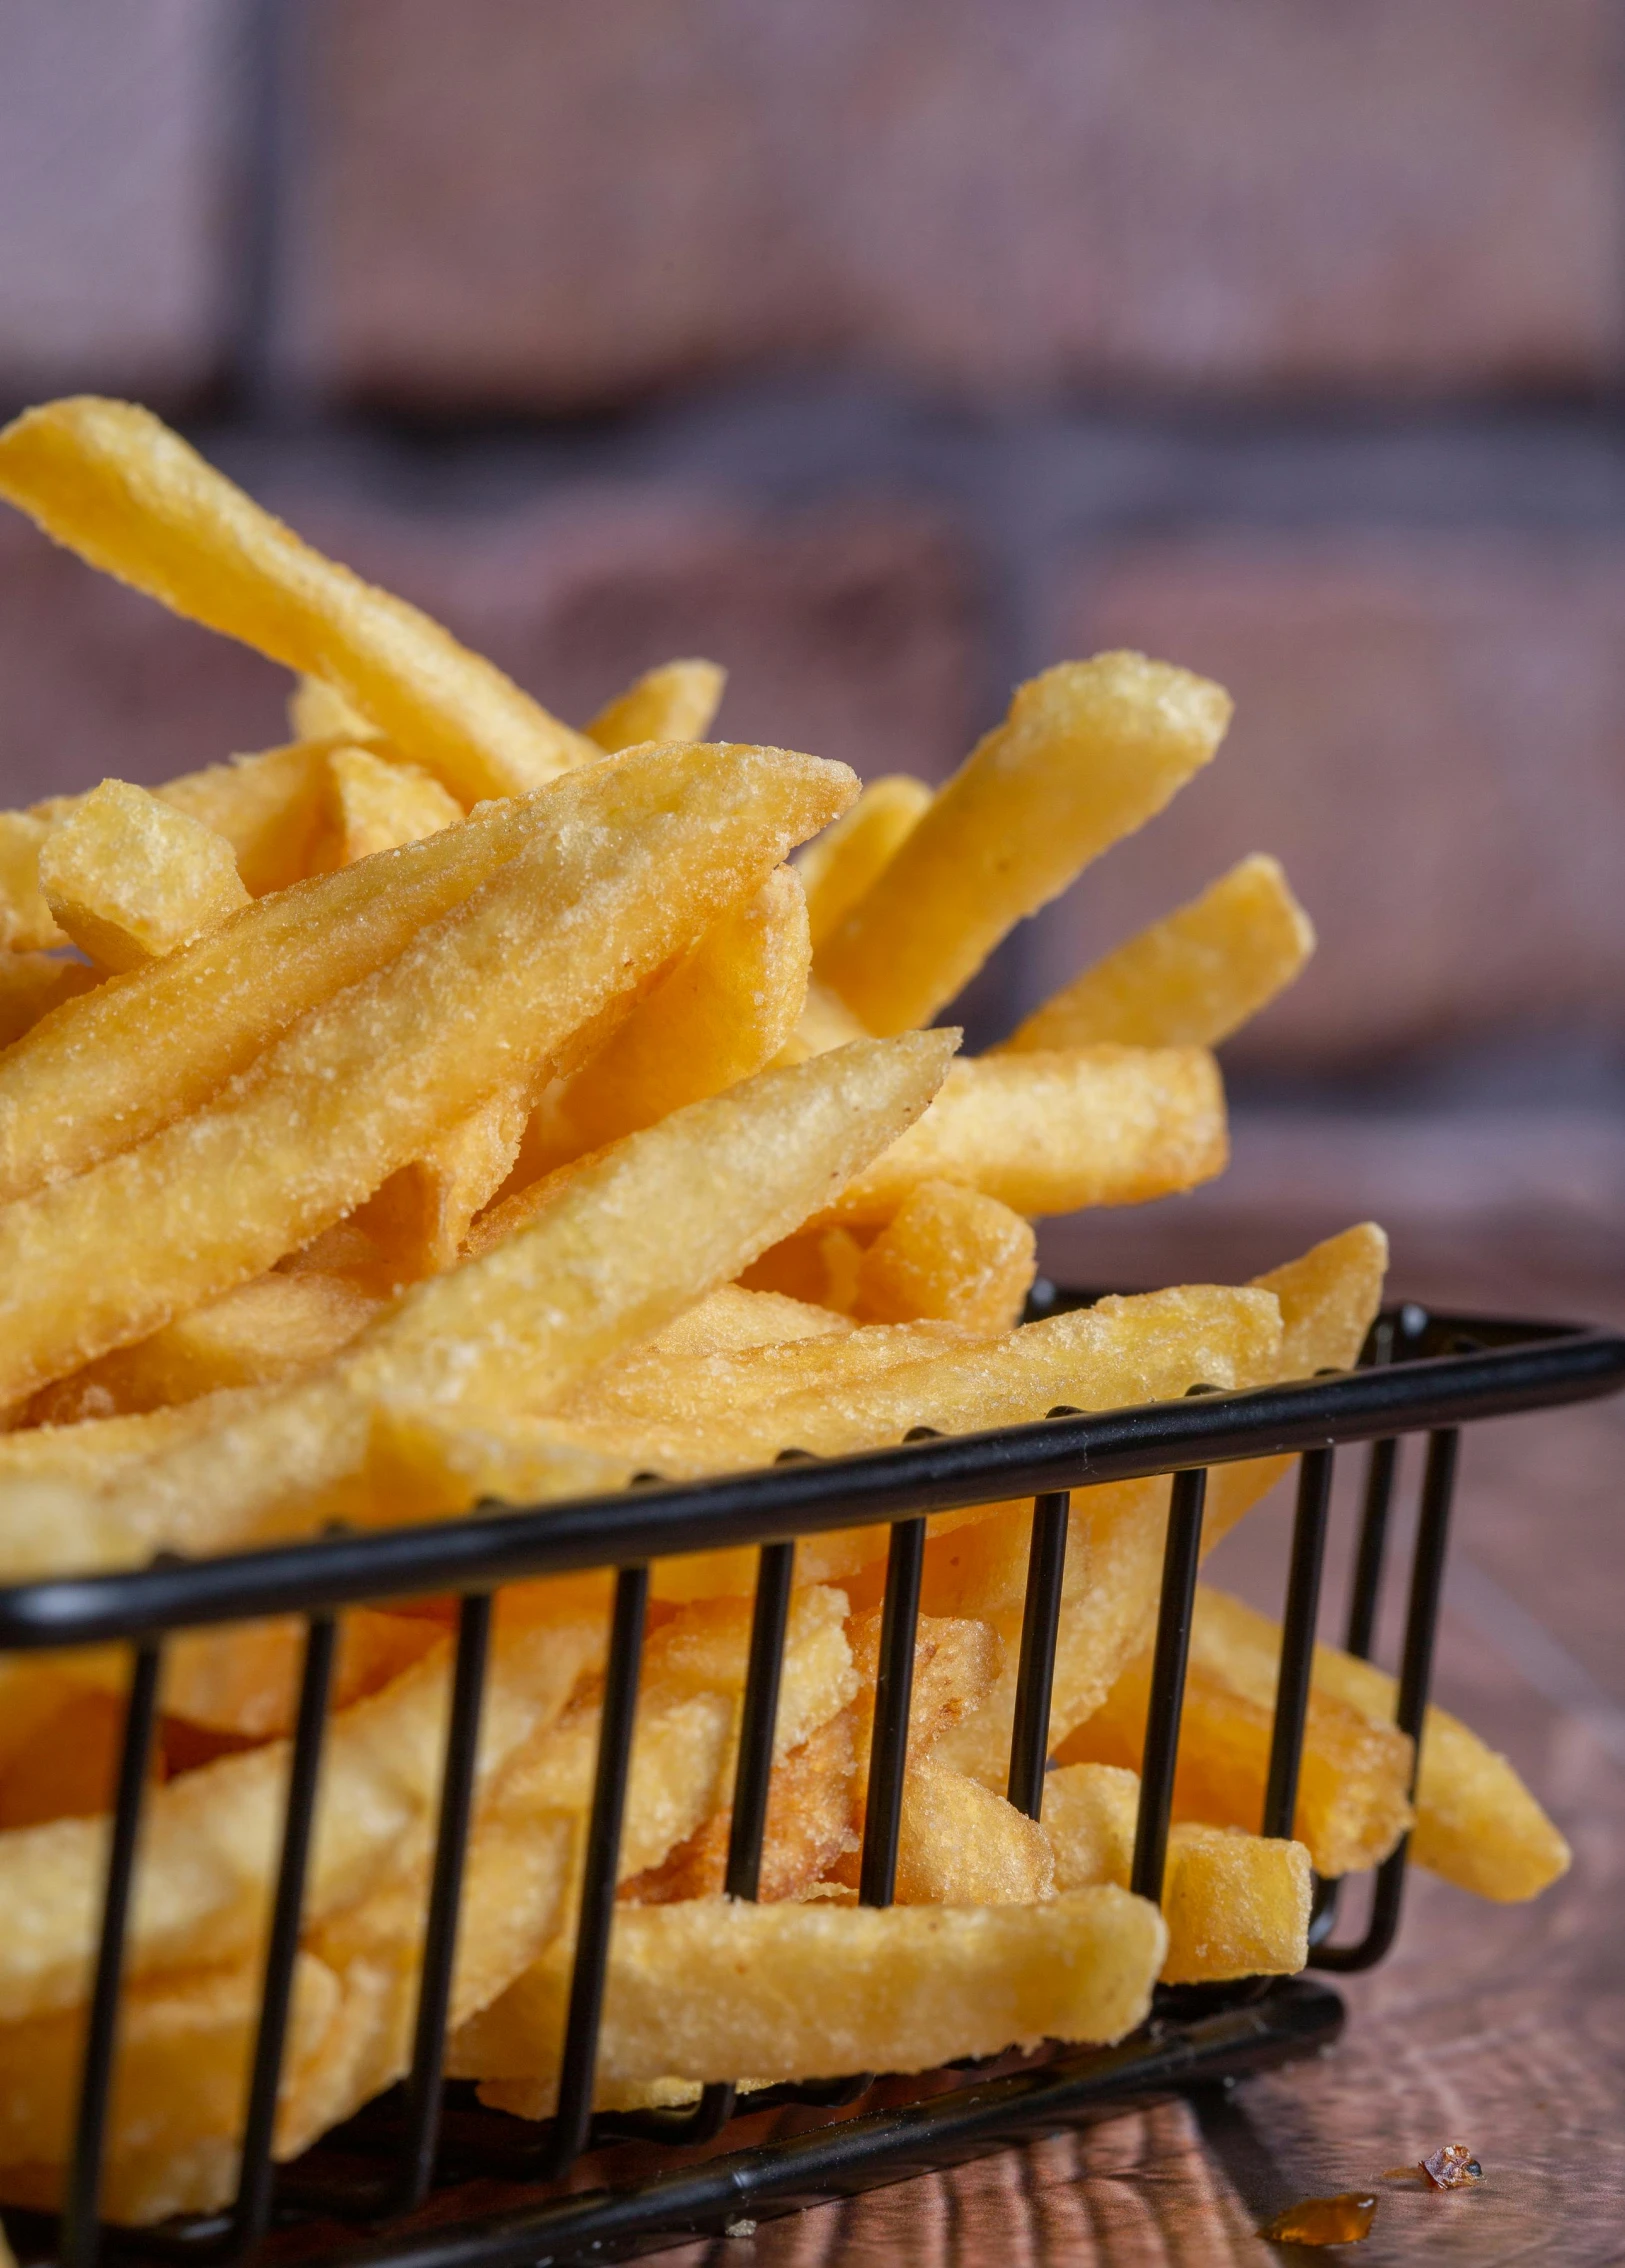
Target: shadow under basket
(426,2178)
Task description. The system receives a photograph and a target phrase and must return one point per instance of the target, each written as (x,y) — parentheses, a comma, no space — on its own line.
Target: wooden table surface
(1499,2026)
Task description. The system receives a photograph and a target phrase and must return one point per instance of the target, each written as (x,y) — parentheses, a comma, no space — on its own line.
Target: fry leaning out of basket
(566,1582)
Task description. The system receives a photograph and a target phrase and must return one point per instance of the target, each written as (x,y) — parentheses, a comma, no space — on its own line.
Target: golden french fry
(111,1068)
(710,1989)
(952,1254)
(262,1332)
(625,1245)
(26,921)
(365,1082)
(1352,1805)
(677,701)
(1089,752)
(725,1322)
(32,984)
(809,1827)
(648,1386)
(1476,1822)
(1191,979)
(1048,1133)
(851,853)
(70,1768)
(962,1845)
(721,1015)
(825,1023)
(318,712)
(374,804)
(1236,1905)
(113,483)
(129,878)
(418,1220)
(269,807)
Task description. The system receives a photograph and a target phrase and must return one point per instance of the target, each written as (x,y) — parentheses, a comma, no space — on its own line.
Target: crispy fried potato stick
(677,701)
(1476,1822)
(26,921)
(1048,1133)
(951,1255)
(420,1218)
(317,712)
(825,1023)
(364,1082)
(32,984)
(1191,979)
(1089,752)
(374,805)
(113,483)
(262,1332)
(1236,1905)
(101,1073)
(1352,1806)
(712,1988)
(721,1015)
(624,1246)
(128,877)
(851,853)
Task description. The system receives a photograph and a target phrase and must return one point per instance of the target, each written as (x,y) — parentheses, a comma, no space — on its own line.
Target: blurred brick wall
(888,351)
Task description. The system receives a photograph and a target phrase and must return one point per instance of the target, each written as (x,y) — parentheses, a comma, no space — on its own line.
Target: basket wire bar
(424,2093)
(1301,1612)
(1182,1557)
(80,2230)
(1415,1677)
(1419,1373)
(1040,1628)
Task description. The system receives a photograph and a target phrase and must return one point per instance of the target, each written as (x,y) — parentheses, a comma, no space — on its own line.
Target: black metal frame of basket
(672,2175)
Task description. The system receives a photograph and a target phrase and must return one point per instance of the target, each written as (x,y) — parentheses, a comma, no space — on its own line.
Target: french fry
(376,805)
(1191,979)
(102,1073)
(710,1989)
(26,922)
(721,1015)
(951,1254)
(366,1081)
(1048,1133)
(695,1389)
(262,1332)
(70,1769)
(1088,752)
(317,712)
(1236,1905)
(677,701)
(962,1845)
(825,1022)
(114,484)
(128,878)
(808,1828)
(269,807)
(726,1321)
(1352,1804)
(851,853)
(418,1220)
(628,1243)
(1477,1825)
(32,984)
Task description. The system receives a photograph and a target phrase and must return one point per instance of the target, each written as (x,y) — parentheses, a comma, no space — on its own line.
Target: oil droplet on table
(1343,2219)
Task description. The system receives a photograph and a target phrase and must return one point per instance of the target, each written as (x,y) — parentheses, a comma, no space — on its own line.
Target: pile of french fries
(451,1106)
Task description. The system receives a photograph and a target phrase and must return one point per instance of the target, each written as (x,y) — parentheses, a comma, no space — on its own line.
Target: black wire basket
(425,2178)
